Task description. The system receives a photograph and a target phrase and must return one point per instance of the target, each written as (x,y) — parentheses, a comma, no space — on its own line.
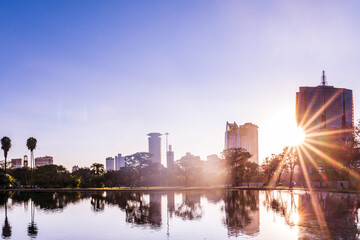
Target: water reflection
(32,228)
(242,212)
(239,212)
(340,214)
(190,207)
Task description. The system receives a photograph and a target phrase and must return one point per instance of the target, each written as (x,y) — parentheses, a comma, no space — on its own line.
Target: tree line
(235,168)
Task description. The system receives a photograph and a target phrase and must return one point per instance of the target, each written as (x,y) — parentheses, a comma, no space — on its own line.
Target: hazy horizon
(91,79)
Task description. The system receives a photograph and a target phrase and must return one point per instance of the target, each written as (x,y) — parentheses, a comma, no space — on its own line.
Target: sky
(89,79)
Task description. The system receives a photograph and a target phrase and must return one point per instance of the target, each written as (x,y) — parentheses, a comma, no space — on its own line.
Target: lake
(213,214)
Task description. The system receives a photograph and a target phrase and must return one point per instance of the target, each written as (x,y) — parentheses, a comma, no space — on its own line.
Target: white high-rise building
(243,136)
(119,162)
(110,164)
(155,147)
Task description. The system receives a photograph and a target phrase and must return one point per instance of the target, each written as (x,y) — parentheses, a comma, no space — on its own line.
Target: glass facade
(324,107)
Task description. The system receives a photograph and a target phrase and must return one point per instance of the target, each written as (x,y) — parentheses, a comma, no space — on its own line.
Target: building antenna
(323,79)
(167,145)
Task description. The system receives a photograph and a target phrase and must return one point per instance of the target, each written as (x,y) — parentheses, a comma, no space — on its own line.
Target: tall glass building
(324,107)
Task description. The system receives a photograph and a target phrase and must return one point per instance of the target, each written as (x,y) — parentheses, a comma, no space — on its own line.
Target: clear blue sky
(89,79)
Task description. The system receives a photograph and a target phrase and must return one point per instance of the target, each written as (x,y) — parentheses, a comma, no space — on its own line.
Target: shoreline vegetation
(178,188)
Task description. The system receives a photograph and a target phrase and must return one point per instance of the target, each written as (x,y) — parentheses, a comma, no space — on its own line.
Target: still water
(236,214)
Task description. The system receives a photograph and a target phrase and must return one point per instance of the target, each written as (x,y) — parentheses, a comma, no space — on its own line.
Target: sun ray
(307,111)
(327,133)
(314,201)
(320,125)
(320,110)
(332,161)
(280,166)
(322,143)
(311,159)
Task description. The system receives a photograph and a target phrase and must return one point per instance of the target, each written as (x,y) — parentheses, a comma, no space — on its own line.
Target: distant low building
(189,157)
(42,161)
(16,163)
(214,164)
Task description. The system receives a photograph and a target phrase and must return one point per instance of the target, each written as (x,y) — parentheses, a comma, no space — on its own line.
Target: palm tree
(5,145)
(31,145)
(98,168)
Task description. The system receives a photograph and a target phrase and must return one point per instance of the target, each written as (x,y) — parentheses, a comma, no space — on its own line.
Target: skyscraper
(324,107)
(109,164)
(326,115)
(119,162)
(243,136)
(232,139)
(249,140)
(155,147)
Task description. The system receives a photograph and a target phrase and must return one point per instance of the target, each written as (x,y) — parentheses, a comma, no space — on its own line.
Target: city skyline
(88,83)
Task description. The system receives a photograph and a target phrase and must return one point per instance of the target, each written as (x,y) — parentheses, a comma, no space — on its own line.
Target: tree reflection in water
(240,208)
(97,202)
(6,229)
(283,204)
(190,208)
(241,212)
(340,213)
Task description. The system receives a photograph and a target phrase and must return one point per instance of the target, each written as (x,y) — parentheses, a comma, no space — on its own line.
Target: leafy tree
(31,145)
(137,166)
(282,166)
(189,170)
(84,175)
(251,171)
(4,179)
(21,175)
(112,178)
(5,146)
(236,159)
(292,161)
(269,166)
(52,176)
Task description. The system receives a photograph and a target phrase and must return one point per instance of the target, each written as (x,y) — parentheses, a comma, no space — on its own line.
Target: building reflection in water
(240,210)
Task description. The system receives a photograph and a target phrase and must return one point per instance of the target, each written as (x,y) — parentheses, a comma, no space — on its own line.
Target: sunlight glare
(297,137)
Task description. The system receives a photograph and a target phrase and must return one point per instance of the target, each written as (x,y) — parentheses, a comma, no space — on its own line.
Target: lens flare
(297,137)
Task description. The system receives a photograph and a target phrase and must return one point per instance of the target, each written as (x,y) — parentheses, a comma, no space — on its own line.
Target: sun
(297,136)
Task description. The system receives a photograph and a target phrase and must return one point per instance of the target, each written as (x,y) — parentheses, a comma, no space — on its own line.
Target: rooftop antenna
(323,79)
